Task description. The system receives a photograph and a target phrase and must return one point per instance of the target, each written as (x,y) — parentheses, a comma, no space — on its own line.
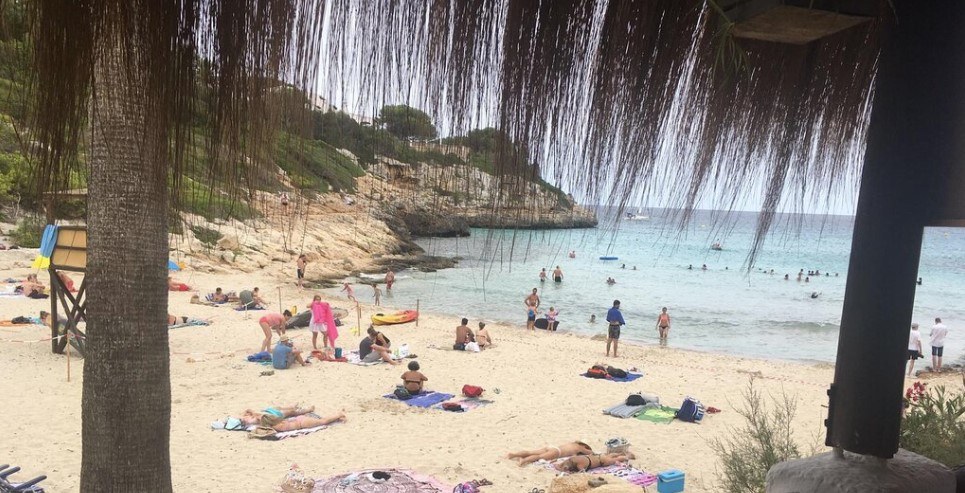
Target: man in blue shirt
(284,355)
(615,319)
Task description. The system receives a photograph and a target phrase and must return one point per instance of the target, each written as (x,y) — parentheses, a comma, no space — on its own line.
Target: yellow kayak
(402,317)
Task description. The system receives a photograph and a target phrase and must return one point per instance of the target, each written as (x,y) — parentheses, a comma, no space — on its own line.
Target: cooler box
(670,481)
(338,352)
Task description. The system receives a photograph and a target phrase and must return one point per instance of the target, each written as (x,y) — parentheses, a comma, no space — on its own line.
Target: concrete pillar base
(835,472)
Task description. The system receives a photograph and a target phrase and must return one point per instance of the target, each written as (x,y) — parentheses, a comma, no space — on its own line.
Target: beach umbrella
(173,266)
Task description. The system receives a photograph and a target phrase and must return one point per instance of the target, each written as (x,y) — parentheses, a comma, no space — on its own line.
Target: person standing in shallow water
(663,325)
(558,274)
(615,320)
(542,275)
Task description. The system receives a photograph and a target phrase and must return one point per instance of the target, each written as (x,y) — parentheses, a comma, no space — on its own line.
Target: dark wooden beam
(913,144)
(794,25)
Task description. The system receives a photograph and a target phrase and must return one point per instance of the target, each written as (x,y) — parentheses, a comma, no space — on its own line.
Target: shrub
(207,236)
(28,233)
(934,424)
(763,441)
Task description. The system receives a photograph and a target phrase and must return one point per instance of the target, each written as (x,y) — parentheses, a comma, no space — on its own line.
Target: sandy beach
(541,400)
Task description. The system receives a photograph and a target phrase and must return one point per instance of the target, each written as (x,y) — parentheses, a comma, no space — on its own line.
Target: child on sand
(412,379)
(349,291)
(322,321)
(531,317)
(300,269)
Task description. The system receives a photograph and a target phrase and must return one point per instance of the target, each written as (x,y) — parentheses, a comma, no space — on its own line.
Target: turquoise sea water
(723,309)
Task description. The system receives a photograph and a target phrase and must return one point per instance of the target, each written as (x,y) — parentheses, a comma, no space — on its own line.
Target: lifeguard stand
(70,255)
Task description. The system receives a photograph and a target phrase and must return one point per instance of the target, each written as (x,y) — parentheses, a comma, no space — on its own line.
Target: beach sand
(542,400)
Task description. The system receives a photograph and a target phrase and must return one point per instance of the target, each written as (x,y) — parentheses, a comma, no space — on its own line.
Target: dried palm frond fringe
(623,100)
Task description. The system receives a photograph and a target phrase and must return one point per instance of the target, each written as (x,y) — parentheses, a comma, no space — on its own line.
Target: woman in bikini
(551,453)
(583,463)
(288,418)
(663,324)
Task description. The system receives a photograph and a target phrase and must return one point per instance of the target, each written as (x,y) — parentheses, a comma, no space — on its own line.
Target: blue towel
(629,378)
(425,399)
(260,357)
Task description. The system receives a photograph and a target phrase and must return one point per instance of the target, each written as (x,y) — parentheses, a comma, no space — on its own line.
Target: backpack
(471,391)
(691,411)
(596,373)
(636,400)
(452,406)
(401,393)
(616,372)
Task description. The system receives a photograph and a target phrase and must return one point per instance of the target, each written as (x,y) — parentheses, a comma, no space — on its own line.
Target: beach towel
(623,411)
(626,472)
(467,403)
(260,357)
(400,481)
(424,399)
(353,358)
(629,378)
(662,415)
(192,322)
(281,435)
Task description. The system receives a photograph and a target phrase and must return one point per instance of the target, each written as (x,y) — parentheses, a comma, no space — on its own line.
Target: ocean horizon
(726,308)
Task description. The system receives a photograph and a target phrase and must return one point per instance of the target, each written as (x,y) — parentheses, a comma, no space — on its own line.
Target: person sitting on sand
(583,463)
(219,296)
(270,322)
(285,354)
(412,379)
(483,337)
(463,336)
(32,287)
(251,300)
(375,347)
(551,453)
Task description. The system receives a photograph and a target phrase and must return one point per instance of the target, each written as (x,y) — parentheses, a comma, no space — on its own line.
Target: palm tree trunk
(127,389)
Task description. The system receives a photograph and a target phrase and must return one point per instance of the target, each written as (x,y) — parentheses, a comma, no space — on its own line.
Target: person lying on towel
(278,418)
(583,463)
(183,320)
(177,286)
(551,453)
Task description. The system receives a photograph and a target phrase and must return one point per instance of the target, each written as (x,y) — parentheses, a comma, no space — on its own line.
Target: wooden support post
(55,346)
(417,312)
(913,141)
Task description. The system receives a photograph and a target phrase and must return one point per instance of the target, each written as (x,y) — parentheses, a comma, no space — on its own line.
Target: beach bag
(636,400)
(402,393)
(297,482)
(691,411)
(471,391)
(596,373)
(452,406)
(616,372)
(465,488)
(472,346)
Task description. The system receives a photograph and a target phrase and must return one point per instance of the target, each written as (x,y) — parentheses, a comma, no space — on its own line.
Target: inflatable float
(402,317)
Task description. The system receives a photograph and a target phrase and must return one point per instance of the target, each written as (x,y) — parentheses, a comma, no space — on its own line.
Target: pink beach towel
(401,481)
(322,314)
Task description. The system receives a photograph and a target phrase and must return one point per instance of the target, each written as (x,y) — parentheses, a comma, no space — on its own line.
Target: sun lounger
(400,481)
(624,411)
(662,415)
(425,399)
(629,378)
(7,485)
